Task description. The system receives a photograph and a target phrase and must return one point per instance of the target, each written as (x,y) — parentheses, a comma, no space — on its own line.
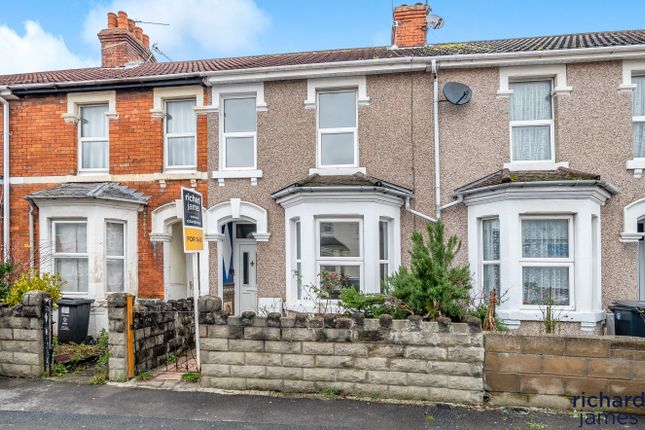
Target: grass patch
(169,359)
(330,393)
(535,426)
(146,375)
(59,369)
(190,377)
(429,420)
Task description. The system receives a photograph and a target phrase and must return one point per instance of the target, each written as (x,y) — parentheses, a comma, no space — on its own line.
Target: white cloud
(214,26)
(36,50)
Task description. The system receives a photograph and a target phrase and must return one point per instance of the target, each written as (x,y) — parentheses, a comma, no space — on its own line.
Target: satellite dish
(435,22)
(456,93)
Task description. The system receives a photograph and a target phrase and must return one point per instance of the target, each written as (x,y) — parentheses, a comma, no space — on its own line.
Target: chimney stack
(123,42)
(409,27)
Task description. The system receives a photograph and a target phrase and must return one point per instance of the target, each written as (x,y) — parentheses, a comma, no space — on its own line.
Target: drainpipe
(435,113)
(31,235)
(5,180)
(417,213)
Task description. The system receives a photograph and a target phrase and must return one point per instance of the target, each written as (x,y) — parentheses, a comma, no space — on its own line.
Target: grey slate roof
(355,182)
(522,44)
(92,190)
(559,176)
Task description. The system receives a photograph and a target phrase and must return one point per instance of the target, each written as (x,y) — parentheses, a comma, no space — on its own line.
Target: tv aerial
(456,93)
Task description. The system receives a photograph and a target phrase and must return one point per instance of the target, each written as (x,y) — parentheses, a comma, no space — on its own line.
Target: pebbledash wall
(22,344)
(401,359)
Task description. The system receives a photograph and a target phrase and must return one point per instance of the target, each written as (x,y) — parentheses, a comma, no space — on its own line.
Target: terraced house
(328,160)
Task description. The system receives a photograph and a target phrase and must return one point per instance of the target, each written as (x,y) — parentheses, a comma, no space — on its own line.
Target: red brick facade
(44,145)
(410,26)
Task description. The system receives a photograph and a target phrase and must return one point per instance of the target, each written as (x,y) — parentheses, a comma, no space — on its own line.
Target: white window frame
(341,261)
(550,262)
(75,255)
(389,250)
(296,242)
(81,140)
(122,258)
(636,163)
(483,262)
(224,135)
(166,135)
(336,130)
(637,119)
(530,123)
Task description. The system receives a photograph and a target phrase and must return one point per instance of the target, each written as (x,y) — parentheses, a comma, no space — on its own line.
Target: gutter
(570,183)
(6,221)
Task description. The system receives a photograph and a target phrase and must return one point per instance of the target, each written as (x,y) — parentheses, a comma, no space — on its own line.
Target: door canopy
(236,210)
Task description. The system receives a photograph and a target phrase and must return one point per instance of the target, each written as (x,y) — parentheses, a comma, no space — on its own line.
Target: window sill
(637,165)
(534,165)
(252,174)
(337,171)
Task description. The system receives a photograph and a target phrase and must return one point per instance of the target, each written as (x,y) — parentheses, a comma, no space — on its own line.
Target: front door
(245,282)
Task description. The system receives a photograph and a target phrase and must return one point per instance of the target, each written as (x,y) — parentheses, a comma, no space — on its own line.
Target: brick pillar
(117,338)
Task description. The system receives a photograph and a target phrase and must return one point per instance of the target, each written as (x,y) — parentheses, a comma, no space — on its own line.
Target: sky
(38,35)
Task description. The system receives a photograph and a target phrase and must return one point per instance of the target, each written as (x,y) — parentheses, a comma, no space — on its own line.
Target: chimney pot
(113,21)
(131,25)
(138,32)
(123,19)
(146,41)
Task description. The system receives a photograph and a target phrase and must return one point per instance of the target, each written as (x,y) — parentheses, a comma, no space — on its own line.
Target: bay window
(93,138)
(490,260)
(547,260)
(239,138)
(638,117)
(531,121)
(70,254)
(383,251)
(297,263)
(115,256)
(337,131)
(180,135)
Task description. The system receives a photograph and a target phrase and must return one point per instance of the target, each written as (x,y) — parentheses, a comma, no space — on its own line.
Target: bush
(431,287)
(47,282)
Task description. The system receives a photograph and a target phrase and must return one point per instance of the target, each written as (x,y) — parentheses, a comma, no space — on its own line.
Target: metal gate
(48,340)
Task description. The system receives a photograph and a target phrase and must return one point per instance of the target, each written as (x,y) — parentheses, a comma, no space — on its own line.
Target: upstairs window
(337,136)
(70,255)
(180,138)
(638,116)
(240,133)
(531,115)
(93,138)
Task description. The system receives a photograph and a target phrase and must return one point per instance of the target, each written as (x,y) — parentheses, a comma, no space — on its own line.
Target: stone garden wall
(160,329)
(401,359)
(547,371)
(22,345)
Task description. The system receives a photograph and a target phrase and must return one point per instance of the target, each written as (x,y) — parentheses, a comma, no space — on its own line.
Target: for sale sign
(192,222)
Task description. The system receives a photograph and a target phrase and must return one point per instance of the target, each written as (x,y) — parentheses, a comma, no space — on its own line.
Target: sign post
(193,232)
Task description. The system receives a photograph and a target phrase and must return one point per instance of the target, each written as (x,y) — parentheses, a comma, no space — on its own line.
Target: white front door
(245,280)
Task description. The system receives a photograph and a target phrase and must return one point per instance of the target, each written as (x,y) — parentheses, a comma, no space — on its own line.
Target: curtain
(530,101)
(491,280)
(94,154)
(94,123)
(181,151)
(239,115)
(490,239)
(638,109)
(545,285)
(71,238)
(114,239)
(531,143)
(337,109)
(240,152)
(74,272)
(180,116)
(115,276)
(545,238)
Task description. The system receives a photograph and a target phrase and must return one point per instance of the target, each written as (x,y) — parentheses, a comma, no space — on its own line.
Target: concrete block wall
(117,337)
(546,371)
(402,359)
(162,329)
(22,345)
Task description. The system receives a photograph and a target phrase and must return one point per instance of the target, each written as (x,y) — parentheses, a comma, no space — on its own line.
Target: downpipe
(5,181)
(435,114)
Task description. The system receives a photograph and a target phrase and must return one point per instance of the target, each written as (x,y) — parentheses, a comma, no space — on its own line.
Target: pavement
(47,404)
